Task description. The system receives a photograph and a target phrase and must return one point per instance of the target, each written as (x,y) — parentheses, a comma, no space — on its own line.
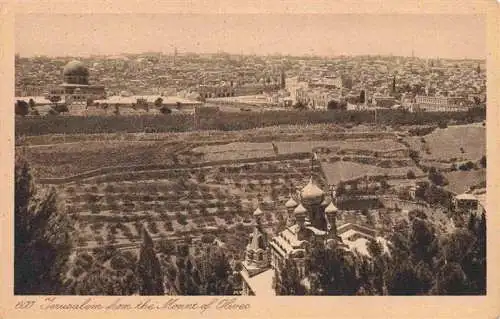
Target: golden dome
(311,191)
(300,209)
(331,208)
(291,203)
(326,201)
(257,212)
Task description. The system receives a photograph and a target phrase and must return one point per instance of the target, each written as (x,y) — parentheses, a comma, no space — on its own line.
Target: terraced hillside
(110,209)
(191,184)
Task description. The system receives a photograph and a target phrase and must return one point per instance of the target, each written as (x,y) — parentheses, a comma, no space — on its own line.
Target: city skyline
(426,36)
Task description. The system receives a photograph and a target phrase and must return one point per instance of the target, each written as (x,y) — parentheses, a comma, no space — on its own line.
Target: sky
(427,35)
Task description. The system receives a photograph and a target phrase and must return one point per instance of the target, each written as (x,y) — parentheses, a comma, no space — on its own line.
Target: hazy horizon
(79,35)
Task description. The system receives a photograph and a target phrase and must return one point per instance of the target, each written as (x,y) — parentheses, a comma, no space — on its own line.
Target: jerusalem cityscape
(267,167)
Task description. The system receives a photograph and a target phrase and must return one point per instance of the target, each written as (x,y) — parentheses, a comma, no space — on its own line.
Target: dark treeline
(233,121)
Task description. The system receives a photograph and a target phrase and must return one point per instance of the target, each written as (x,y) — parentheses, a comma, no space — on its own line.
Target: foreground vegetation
(46,262)
(421,261)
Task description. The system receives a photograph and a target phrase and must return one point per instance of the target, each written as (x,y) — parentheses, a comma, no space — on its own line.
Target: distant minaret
(478,69)
(394,84)
(175,55)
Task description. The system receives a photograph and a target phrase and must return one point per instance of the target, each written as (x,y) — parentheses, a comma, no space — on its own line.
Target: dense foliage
(232,121)
(42,236)
(420,261)
(207,274)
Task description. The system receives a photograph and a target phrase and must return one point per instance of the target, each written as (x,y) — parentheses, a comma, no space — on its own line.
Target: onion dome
(326,201)
(300,210)
(331,208)
(257,212)
(311,191)
(291,203)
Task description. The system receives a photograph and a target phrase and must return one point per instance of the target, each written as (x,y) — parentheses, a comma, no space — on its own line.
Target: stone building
(76,88)
(311,215)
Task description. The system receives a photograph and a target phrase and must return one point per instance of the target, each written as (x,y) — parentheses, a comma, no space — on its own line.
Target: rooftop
(466,196)
(149,98)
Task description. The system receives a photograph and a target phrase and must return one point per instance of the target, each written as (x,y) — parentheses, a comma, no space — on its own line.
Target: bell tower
(257,250)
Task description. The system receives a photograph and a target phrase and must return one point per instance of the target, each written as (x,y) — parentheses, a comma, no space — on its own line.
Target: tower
(300,216)
(257,251)
(311,197)
(290,205)
(331,215)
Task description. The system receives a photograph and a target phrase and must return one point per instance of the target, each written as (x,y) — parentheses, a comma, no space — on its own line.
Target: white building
(438,104)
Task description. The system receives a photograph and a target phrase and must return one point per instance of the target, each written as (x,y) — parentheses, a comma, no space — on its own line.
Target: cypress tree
(42,237)
(149,273)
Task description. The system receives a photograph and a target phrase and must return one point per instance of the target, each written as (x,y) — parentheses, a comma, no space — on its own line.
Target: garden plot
(344,171)
(461,181)
(235,151)
(354,144)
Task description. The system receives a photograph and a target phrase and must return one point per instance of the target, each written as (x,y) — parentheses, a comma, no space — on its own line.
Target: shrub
(442,124)
(168,226)
(119,262)
(77,271)
(410,175)
(482,161)
(21,108)
(466,166)
(94,209)
(153,228)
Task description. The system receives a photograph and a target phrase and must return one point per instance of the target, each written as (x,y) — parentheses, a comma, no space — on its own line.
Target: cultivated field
(66,159)
(111,209)
(460,181)
(344,171)
(235,151)
(351,144)
(454,143)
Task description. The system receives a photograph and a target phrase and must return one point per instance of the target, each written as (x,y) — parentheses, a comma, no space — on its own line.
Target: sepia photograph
(250,154)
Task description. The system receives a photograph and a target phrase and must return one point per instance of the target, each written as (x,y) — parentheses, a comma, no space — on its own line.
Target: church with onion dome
(311,215)
(76,88)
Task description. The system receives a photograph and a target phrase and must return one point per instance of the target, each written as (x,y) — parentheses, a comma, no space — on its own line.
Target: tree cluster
(42,236)
(419,261)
